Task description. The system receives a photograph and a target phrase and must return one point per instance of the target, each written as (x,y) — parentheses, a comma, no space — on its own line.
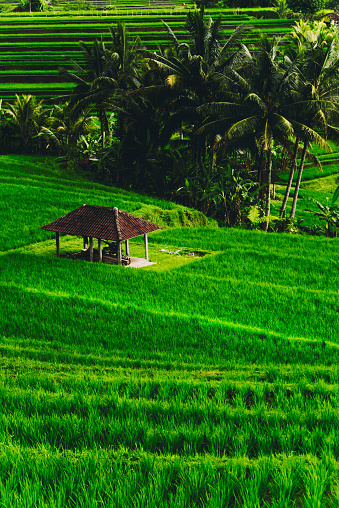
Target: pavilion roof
(103,222)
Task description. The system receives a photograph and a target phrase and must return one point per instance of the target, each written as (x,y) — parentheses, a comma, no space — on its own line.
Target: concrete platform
(139,262)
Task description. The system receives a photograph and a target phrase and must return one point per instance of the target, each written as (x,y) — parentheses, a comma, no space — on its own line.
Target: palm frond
(173,65)
(215,126)
(283,125)
(72,77)
(222,108)
(48,132)
(238,130)
(310,135)
(253,97)
(314,160)
(172,35)
(333,133)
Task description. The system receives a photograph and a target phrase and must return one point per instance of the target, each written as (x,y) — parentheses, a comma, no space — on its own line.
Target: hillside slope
(197,381)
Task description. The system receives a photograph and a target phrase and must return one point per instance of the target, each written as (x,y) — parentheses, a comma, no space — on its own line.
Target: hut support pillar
(85,242)
(146,246)
(57,241)
(90,248)
(100,250)
(127,247)
(119,253)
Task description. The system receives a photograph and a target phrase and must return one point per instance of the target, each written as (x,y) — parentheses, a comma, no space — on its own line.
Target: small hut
(108,225)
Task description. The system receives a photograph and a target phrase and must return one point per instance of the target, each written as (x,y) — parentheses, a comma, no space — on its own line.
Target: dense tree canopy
(207,123)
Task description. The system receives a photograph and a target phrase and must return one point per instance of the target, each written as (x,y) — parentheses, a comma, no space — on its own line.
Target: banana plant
(226,189)
(327,213)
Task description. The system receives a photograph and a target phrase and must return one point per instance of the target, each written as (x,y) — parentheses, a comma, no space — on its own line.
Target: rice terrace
(169,257)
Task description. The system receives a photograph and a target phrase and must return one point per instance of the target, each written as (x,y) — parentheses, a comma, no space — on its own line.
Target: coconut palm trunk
(297,184)
(268,190)
(101,115)
(290,178)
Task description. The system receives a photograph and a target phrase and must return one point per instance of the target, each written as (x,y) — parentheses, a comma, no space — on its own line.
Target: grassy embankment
(193,382)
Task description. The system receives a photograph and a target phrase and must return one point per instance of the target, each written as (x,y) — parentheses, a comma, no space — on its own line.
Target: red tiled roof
(101,222)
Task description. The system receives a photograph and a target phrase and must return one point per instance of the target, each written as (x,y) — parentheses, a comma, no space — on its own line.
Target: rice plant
(199,381)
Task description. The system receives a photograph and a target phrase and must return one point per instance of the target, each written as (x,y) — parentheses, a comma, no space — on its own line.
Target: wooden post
(119,253)
(90,248)
(57,241)
(146,246)
(100,250)
(85,242)
(127,247)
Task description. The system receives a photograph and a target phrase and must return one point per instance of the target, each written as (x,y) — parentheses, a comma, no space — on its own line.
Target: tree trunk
(227,216)
(297,184)
(268,190)
(260,177)
(290,178)
(101,114)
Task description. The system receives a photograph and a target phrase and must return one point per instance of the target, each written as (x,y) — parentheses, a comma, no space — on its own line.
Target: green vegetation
(209,378)
(197,381)
(26,180)
(56,35)
(309,7)
(209,136)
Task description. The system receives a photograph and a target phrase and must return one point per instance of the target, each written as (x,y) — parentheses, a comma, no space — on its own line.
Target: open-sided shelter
(104,223)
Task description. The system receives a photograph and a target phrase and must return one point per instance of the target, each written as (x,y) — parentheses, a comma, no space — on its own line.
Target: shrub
(244,3)
(36,6)
(306,6)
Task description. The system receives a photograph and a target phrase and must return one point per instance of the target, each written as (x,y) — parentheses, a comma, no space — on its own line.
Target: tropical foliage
(208,123)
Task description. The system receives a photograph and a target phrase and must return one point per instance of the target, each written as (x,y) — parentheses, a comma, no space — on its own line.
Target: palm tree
(123,62)
(318,56)
(261,94)
(197,73)
(93,86)
(64,129)
(265,108)
(106,70)
(140,120)
(26,116)
(199,68)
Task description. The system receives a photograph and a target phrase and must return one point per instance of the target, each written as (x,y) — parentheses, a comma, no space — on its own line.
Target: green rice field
(199,381)
(329,162)
(34,46)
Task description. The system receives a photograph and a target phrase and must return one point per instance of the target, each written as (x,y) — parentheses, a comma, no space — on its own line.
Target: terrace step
(39,43)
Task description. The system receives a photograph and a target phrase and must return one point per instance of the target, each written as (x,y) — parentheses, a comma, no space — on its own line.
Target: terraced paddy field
(94,5)
(198,381)
(34,46)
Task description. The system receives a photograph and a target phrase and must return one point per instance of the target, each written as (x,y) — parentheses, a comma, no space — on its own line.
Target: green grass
(30,180)
(329,161)
(311,173)
(197,381)
(316,184)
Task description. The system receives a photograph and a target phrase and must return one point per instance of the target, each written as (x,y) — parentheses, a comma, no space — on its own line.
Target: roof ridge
(99,222)
(117,222)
